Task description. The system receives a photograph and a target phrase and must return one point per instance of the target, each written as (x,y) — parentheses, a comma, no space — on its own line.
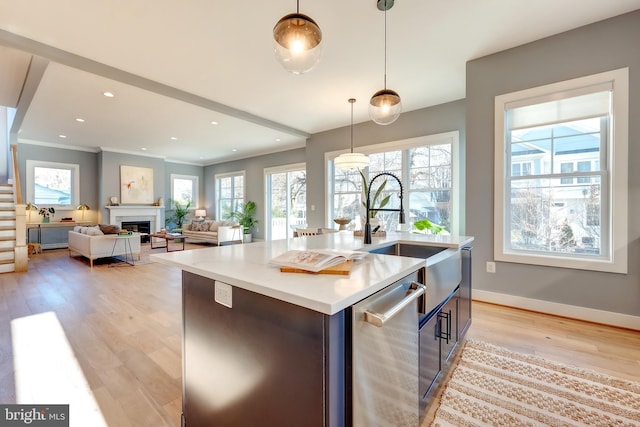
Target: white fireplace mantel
(117,214)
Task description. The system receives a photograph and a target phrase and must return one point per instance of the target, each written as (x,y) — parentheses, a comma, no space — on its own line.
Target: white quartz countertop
(247,266)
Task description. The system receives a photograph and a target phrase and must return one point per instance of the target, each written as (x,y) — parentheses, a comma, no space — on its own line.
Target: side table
(128,252)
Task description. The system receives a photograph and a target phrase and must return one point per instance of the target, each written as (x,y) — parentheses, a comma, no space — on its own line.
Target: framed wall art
(136,185)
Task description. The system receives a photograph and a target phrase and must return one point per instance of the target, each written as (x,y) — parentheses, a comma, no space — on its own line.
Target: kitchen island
(263,347)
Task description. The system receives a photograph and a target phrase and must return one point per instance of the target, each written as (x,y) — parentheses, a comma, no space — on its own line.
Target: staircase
(7,229)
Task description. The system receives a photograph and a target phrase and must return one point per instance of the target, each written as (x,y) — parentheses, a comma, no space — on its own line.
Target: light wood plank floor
(123,326)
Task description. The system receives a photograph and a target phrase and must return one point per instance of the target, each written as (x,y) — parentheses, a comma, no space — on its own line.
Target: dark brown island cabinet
(266,362)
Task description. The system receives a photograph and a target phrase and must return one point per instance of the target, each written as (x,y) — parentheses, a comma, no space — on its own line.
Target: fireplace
(152,214)
(138,227)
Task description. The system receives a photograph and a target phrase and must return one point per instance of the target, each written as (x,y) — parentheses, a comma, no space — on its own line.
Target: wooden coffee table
(166,237)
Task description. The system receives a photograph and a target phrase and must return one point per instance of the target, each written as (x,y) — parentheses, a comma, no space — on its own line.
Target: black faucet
(367,225)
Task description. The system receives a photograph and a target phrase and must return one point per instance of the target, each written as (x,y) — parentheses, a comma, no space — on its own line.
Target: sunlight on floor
(47,371)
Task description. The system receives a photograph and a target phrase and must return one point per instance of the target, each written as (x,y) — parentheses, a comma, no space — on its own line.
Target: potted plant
(46,213)
(177,214)
(374,200)
(245,217)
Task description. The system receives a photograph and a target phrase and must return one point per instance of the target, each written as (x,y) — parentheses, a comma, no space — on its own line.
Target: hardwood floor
(123,326)
(122,329)
(605,349)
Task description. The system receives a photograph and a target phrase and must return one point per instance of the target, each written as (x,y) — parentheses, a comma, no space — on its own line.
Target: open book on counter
(315,259)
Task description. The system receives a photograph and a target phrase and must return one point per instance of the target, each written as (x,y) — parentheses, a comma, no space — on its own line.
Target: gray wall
(184,169)
(427,121)
(88,169)
(57,237)
(254,175)
(588,50)
(109,178)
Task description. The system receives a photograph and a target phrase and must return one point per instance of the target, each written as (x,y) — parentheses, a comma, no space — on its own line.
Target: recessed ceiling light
(214,123)
(173,138)
(108,94)
(277,139)
(79,120)
(143,149)
(62,136)
(234,149)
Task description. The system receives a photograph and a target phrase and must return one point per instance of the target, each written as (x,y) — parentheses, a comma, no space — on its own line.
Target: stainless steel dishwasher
(385,355)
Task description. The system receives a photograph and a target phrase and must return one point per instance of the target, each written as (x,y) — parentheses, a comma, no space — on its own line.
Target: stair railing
(21,255)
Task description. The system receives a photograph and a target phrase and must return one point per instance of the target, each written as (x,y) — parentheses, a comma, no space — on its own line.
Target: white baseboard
(571,311)
(55,246)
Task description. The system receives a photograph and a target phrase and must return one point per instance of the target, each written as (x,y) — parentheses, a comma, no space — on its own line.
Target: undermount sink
(409,250)
(443,268)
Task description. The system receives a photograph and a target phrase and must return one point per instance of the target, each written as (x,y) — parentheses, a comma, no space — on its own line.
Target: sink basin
(406,249)
(443,268)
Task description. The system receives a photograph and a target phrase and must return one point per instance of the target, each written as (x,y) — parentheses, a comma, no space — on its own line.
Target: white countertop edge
(324,307)
(246,266)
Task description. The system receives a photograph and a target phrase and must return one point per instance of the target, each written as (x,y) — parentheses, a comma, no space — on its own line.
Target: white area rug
(492,386)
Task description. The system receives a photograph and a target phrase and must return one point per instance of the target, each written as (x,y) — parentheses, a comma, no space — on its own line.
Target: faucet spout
(367,225)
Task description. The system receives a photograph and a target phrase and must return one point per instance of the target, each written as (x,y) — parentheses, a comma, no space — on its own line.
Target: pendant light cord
(385,45)
(298,7)
(351,126)
(351,101)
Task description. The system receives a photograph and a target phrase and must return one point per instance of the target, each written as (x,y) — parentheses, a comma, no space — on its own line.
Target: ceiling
(176,67)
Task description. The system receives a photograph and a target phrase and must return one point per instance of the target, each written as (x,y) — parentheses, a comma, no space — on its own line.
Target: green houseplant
(374,200)
(46,213)
(178,213)
(245,215)
(424,224)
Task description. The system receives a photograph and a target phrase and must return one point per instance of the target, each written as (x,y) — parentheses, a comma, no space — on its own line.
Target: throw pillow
(78,228)
(200,226)
(186,227)
(109,229)
(215,224)
(94,231)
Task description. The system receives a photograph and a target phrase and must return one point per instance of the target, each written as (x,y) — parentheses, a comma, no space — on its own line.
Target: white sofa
(217,232)
(94,247)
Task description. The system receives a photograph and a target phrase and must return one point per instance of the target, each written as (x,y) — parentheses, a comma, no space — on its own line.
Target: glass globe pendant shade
(297,43)
(385,107)
(351,161)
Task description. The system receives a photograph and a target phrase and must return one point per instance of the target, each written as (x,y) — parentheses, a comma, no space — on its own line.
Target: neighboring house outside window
(53,184)
(569,209)
(230,193)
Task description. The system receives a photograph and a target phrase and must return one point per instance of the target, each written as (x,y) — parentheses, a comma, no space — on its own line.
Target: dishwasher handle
(379,319)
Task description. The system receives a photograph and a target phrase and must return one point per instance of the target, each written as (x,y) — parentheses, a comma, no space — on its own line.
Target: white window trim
(195,203)
(267,196)
(216,196)
(452,137)
(75,192)
(617,187)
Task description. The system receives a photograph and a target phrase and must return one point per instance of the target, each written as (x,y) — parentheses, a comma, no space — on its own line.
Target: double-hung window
(230,193)
(184,190)
(568,208)
(428,169)
(53,184)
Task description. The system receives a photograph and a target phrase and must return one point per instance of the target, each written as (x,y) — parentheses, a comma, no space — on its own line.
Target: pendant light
(385,105)
(297,42)
(351,160)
